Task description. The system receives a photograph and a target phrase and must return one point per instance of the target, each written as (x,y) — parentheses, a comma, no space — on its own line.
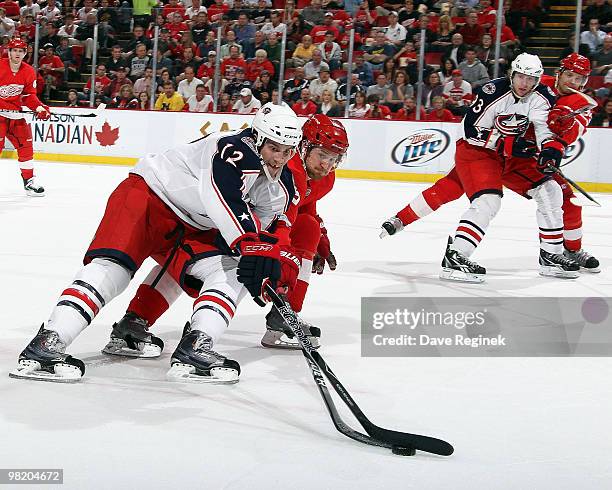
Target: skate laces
(581,256)
(203,345)
(562,259)
(463,260)
(52,342)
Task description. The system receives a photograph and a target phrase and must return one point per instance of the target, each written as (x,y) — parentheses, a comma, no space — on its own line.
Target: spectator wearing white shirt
(200,101)
(85,10)
(187,86)
(51,12)
(194,9)
(594,37)
(246,104)
(30,8)
(395,33)
(7,25)
(275,25)
(319,84)
(331,51)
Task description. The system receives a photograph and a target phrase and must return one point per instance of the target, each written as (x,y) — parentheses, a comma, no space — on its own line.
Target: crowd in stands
(459,36)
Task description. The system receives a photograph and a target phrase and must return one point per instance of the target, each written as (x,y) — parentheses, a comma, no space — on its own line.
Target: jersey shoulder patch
(494,89)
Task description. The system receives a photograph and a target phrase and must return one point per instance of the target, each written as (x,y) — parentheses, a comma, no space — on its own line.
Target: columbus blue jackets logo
(512,124)
(418,148)
(572,152)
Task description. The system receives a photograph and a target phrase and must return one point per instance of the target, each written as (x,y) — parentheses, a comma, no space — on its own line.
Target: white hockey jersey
(215,182)
(496,101)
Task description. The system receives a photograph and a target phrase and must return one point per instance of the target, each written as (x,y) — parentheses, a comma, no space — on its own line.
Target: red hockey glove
(43,112)
(290,268)
(561,120)
(323,255)
(259,265)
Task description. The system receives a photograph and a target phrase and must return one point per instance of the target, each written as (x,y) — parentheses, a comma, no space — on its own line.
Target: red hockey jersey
(17,89)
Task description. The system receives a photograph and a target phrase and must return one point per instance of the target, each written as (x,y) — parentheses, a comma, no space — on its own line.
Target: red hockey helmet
(577,63)
(17,43)
(322,131)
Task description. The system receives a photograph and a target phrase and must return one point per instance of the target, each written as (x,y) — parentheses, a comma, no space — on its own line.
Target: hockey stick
(574,185)
(402,443)
(96,112)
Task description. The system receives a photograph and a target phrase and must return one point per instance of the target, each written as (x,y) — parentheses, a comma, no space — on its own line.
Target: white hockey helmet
(527,64)
(277,123)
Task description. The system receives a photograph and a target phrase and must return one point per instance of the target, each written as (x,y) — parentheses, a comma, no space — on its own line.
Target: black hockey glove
(549,160)
(517,146)
(259,265)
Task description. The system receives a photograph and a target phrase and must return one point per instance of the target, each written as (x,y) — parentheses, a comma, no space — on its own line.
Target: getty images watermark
(426,327)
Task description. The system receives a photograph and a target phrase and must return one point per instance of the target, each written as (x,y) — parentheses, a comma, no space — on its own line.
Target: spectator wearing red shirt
(11,8)
(487,15)
(207,69)
(471,31)
(439,113)
(52,68)
(507,36)
(408,112)
(234,60)
(176,26)
(173,6)
(27,28)
(318,32)
(121,79)
(261,63)
(101,83)
(377,110)
(304,106)
(365,17)
(216,11)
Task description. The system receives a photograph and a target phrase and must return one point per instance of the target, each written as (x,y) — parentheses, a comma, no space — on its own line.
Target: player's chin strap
(97,112)
(399,442)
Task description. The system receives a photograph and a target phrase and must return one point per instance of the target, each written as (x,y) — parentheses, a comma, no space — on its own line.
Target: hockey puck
(403,451)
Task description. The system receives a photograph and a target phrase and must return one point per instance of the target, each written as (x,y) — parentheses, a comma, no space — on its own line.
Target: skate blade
(278,340)
(550,271)
(384,233)
(460,276)
(184,373)
(594,270)
(63,373)
(35,194)
(119,347)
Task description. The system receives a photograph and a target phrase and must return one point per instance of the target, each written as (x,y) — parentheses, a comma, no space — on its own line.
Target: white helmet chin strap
(266,170)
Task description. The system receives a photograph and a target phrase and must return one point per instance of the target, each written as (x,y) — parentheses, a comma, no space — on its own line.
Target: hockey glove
(43,112)
(561,120)
(550,157)
(517,146)
(290,268)
(259,265)
(323,254)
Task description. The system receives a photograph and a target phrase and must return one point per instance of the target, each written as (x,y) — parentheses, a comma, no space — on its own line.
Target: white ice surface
(524,423)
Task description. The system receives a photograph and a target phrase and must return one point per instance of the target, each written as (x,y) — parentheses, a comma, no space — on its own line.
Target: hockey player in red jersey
(18,88)
(324,145)
(568,120)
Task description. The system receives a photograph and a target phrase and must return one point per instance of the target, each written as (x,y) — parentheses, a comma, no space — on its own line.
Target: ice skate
(457,267)
(585,260)
(558,265)
(131,337)
(44,359)
(279,336)
(194,361)
(32,188)
(391,227)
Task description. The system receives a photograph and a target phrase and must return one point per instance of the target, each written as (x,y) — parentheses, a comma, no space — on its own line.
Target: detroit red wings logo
(12,90)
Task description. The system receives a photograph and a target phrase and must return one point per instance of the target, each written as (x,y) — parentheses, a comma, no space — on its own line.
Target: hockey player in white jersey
(493,131)
(195,194)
